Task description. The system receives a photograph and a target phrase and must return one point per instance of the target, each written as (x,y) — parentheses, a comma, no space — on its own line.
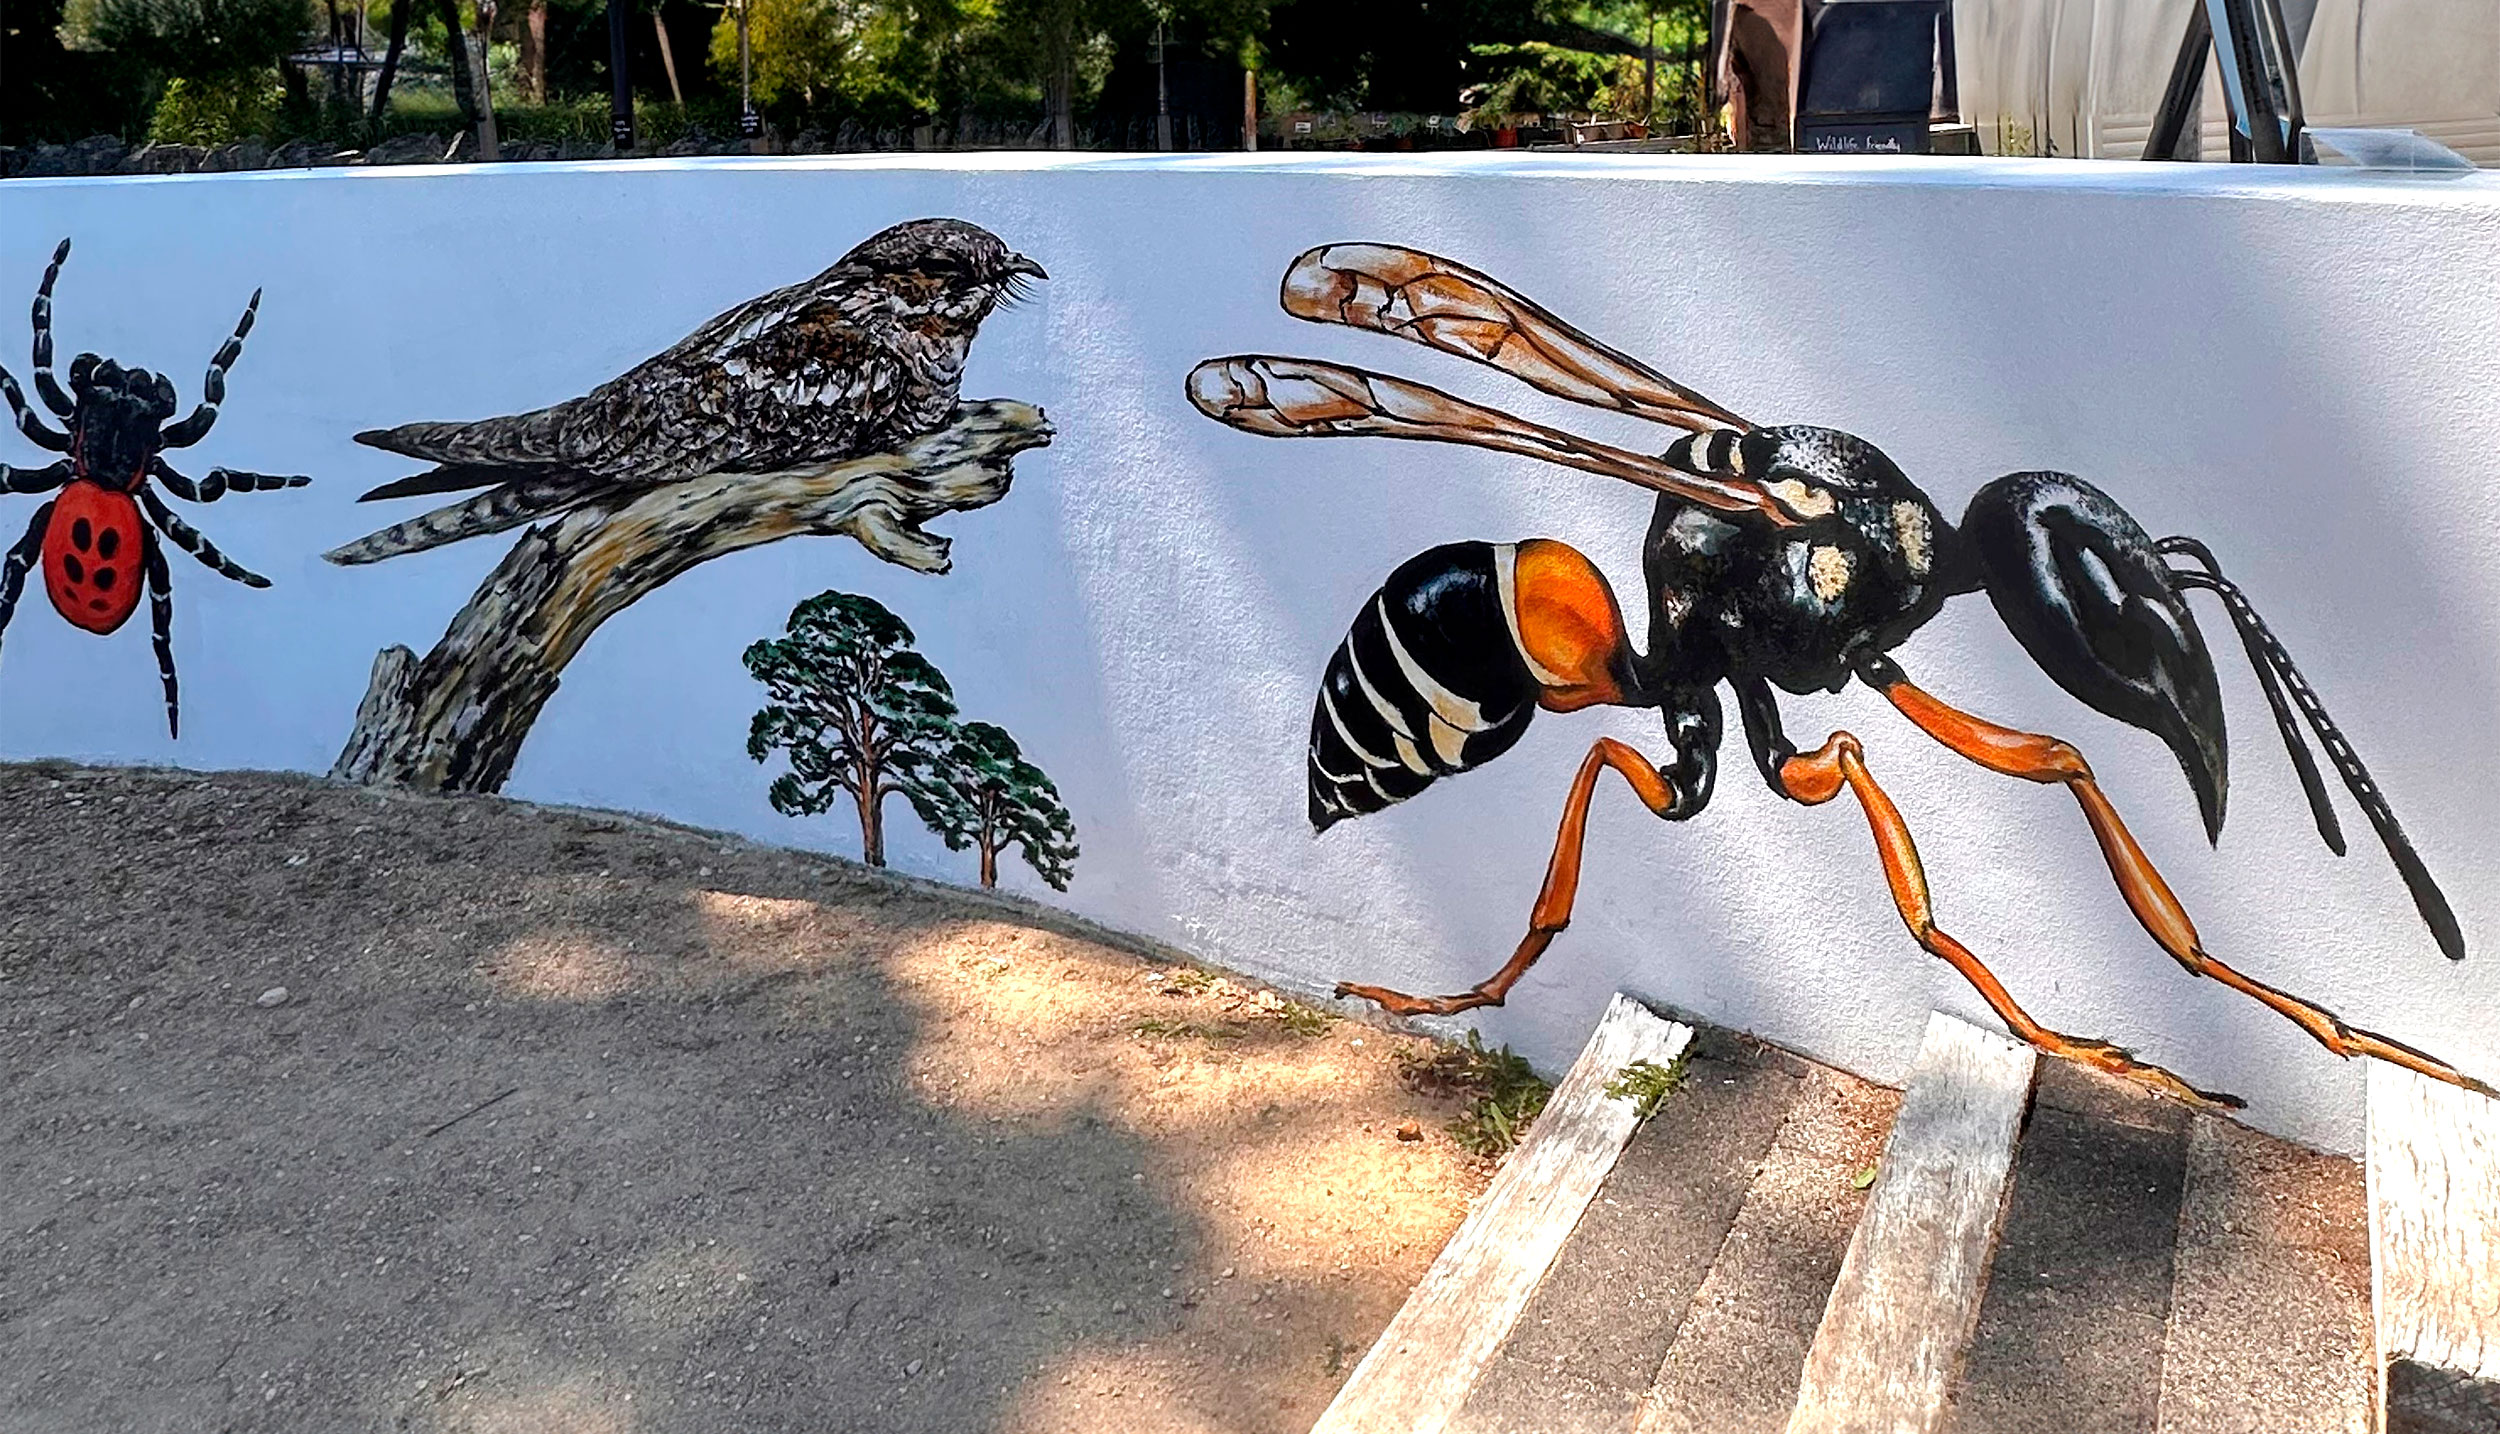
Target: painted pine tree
(861,713)
(985,795)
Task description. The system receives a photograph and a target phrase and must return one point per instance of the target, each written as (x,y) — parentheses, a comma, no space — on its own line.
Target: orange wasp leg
(2046,759)
(1553,900)
(1818,776)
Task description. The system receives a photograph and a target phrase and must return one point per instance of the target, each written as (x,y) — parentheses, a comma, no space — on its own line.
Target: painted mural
(862,716)
(832,405)
(1780,558)
(97,543)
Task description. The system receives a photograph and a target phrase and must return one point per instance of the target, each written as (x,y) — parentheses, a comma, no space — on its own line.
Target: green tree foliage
(195,39)
(984,795)
(859,711)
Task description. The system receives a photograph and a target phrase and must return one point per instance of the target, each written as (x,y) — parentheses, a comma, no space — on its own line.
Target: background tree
(859,711)
(985,795)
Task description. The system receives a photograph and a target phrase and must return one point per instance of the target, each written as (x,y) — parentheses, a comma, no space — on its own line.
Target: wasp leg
(1813,778)
(1674,794)
(219,482)
(28,551)
(192,541)
(161,617)
(2046,759)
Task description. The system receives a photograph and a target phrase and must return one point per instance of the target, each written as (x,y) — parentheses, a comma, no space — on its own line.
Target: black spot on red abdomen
(91,555)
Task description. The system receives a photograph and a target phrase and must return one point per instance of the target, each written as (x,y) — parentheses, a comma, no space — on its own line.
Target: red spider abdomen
(92,556)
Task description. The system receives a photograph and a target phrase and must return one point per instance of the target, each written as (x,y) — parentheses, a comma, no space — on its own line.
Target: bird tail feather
(506,506)
(534,438)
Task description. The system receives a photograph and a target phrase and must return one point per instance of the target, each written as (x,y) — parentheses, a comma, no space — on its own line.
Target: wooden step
(1419,1372)
(1901,1315)
(1590,1341)
(1734,1364)
(2434,1184)
(2072,1330)
(2270,1290)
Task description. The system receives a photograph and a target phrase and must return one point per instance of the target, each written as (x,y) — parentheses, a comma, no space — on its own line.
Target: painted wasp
(91,541)
(1787,557)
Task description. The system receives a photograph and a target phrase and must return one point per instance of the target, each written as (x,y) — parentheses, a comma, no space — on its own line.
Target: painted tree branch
(455,719)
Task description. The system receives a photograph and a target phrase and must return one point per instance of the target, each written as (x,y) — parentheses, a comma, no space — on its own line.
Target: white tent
(2082,77)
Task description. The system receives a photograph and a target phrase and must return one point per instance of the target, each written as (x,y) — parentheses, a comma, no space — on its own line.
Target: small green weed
(1505,1094)
(1647,1084)
(1162,1029)
(1304,1020)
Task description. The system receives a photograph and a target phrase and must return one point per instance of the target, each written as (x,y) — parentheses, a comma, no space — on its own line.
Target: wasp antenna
(2312,782)
(2268,652)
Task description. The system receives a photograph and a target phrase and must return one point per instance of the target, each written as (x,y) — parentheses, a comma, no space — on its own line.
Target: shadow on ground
(572,1123)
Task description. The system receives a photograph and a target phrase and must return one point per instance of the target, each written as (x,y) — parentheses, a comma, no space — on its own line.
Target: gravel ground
(337,1110)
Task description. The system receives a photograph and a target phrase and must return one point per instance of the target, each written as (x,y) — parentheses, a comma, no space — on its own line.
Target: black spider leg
(36,480)
(2268,651)
(213,388)
(13,568)
(161,617)
(30,422)
(219,482)
(2320,807)
(191,541)
(46,386)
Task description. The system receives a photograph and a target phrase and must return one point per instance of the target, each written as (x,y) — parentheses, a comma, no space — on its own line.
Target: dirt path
(575,1123)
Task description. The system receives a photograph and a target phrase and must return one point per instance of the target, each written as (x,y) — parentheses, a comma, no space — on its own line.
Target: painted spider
(90,540)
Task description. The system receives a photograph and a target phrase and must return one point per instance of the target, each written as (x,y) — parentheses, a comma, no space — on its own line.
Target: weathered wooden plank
(1902,1311)
(1419,1371)
(2434,1176)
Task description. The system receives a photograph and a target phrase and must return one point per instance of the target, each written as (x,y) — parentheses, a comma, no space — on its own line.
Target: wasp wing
(1448,306)
(1306,398)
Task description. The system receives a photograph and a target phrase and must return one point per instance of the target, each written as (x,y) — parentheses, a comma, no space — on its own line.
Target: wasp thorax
(1819,458)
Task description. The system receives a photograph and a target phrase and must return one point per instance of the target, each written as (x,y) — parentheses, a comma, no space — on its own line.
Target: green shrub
(213,111)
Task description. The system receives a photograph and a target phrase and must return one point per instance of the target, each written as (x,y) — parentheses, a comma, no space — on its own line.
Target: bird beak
(1018,264)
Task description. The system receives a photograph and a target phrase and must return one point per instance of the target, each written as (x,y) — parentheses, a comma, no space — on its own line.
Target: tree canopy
(855,706)
(863,715)
(985,796)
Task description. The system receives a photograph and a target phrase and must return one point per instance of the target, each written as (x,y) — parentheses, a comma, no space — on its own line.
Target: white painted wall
(2302,367)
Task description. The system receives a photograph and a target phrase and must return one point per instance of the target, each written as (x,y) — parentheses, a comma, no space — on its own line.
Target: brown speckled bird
(859,359)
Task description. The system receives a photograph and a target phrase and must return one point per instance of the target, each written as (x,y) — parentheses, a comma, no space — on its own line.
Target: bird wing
(791,376)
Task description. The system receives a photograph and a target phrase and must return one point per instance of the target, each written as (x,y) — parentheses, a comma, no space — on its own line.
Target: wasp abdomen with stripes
(1445,665)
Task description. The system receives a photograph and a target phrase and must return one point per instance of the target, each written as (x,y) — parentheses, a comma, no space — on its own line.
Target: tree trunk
(1059,85)
(989,862)
(668,59)
(871,824)
(390,57)
(487,148)
(456,50)
(455,720)
(534,54)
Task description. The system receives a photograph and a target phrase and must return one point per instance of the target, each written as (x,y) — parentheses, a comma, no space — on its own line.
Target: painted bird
(860,359)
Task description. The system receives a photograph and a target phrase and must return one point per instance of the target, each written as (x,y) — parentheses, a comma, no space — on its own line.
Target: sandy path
(779,1144)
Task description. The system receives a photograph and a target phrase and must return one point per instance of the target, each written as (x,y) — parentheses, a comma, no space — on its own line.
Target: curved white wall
(2301,367)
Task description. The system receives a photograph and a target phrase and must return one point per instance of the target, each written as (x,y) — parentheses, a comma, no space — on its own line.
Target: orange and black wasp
(1783,557)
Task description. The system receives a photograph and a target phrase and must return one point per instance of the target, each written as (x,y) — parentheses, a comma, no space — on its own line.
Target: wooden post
(1907,1300)
(2434,1175)
(455,719)
(1419,1371)
(1249,109)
